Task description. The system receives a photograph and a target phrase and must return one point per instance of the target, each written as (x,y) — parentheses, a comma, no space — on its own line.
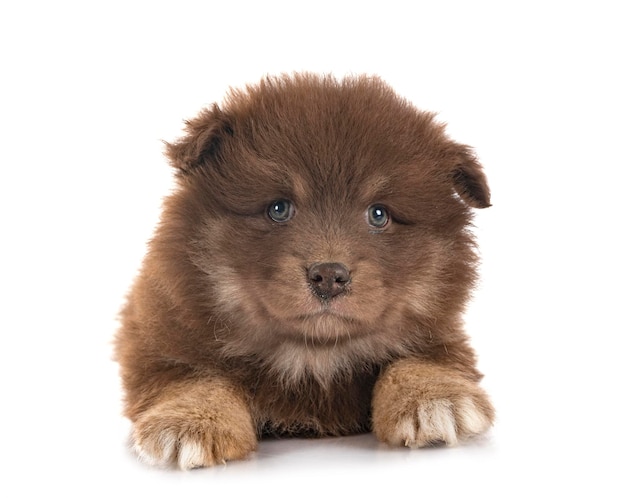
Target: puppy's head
(321,214)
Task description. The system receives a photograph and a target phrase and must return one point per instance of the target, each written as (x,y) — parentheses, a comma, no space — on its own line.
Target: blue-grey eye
(280,210)
(378,216)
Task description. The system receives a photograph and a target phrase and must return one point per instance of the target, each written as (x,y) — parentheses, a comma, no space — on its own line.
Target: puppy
(307,278)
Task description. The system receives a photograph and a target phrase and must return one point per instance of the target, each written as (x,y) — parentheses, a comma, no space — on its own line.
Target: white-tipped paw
(193,448)
(163,437)
(418,404)
(439,421)
(167,448)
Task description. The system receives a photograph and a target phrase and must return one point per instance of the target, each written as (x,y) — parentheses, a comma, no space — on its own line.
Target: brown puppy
(307,278)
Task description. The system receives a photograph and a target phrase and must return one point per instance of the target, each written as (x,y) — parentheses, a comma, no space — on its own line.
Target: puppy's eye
(378,216)
(280,211)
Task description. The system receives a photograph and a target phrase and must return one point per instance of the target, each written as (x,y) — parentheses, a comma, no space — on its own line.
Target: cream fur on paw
(439,421)
(418,404)
(190,446)
(167,448)
(201,429)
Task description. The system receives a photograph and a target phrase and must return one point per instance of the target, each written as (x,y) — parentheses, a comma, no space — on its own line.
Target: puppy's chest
(309,408)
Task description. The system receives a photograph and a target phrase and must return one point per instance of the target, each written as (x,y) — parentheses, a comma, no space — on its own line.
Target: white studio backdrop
(89,90)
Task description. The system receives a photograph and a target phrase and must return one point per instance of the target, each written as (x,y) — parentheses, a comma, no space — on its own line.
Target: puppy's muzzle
(328,280)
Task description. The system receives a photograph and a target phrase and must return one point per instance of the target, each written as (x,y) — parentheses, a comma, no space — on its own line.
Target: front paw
(191,433)
(420,405)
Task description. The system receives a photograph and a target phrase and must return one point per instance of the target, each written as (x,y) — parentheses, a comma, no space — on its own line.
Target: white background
(88,90)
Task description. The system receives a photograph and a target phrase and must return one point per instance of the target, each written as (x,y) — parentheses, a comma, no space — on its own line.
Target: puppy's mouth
(310,308)
(312,319)
(326,309)
(328,324)
(319,313)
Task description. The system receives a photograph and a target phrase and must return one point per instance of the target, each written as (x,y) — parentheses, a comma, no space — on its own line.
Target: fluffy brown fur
(307,278)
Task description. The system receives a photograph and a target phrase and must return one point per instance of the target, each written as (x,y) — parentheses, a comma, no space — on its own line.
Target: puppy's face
(325,214)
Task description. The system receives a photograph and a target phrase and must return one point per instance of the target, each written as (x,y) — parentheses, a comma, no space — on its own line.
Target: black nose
(328,280)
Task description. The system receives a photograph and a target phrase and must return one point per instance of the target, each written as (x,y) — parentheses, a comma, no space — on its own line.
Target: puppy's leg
(195,423)
(420,404)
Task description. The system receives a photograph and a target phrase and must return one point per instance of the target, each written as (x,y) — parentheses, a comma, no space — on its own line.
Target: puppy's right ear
(202,141)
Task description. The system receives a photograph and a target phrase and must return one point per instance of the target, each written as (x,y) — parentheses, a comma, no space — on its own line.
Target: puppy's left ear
(469,180)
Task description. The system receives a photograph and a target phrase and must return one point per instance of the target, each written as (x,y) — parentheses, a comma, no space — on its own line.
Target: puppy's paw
(436,421)
(419,406)
(178,432)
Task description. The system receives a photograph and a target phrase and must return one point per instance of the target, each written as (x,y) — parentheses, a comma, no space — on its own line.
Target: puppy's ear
(204,135)
(470,182)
